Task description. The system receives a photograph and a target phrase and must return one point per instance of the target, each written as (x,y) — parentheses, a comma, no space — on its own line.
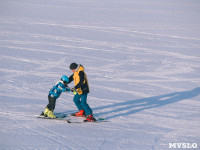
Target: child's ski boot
(49,113)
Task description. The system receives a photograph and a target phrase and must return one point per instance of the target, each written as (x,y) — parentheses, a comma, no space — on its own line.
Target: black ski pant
(52,103)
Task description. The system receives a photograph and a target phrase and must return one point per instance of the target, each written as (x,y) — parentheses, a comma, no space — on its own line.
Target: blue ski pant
(81,103)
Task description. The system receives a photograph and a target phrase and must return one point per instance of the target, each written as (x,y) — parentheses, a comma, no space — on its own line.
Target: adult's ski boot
(90,118)
(81,113)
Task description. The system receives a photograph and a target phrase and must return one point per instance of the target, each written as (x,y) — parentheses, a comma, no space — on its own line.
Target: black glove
(73,89)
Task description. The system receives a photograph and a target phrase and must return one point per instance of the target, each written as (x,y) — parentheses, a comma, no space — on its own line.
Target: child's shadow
(133,106)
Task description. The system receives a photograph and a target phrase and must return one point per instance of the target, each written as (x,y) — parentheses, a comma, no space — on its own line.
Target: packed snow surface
(142,59)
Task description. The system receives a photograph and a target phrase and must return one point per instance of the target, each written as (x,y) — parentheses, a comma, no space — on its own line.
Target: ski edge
(43,117)
(78,122)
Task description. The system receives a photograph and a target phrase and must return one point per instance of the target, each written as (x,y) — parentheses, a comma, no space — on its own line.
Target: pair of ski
(61,117)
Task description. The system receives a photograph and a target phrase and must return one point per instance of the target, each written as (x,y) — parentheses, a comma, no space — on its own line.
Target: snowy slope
(142,59)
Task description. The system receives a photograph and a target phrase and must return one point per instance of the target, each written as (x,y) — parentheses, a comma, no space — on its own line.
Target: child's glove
(74,91)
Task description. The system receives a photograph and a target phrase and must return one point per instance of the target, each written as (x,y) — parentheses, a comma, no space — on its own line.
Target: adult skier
(81,86)
(54,93)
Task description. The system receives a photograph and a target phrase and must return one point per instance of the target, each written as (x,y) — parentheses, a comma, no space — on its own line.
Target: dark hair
(73,66)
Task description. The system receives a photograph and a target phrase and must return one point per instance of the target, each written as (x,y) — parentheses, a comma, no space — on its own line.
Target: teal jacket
(58,88)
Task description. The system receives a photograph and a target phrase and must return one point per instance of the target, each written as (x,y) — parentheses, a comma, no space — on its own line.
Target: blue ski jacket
(58,88)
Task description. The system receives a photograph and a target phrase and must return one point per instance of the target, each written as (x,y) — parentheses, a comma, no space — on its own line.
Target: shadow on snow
(135,106)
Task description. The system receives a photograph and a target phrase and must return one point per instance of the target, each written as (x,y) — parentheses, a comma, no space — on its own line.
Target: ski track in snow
(143,74)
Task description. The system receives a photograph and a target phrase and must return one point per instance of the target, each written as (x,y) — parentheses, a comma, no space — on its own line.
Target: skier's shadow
(134,106)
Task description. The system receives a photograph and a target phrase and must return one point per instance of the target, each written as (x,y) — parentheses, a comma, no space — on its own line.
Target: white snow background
(142,59)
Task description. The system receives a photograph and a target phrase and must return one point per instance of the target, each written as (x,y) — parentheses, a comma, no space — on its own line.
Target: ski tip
(69,121)
(101,119)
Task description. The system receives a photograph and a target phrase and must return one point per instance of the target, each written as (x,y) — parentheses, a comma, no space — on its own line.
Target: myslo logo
(183,145)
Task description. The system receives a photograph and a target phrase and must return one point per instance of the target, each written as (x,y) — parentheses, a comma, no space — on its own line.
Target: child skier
(54,93)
